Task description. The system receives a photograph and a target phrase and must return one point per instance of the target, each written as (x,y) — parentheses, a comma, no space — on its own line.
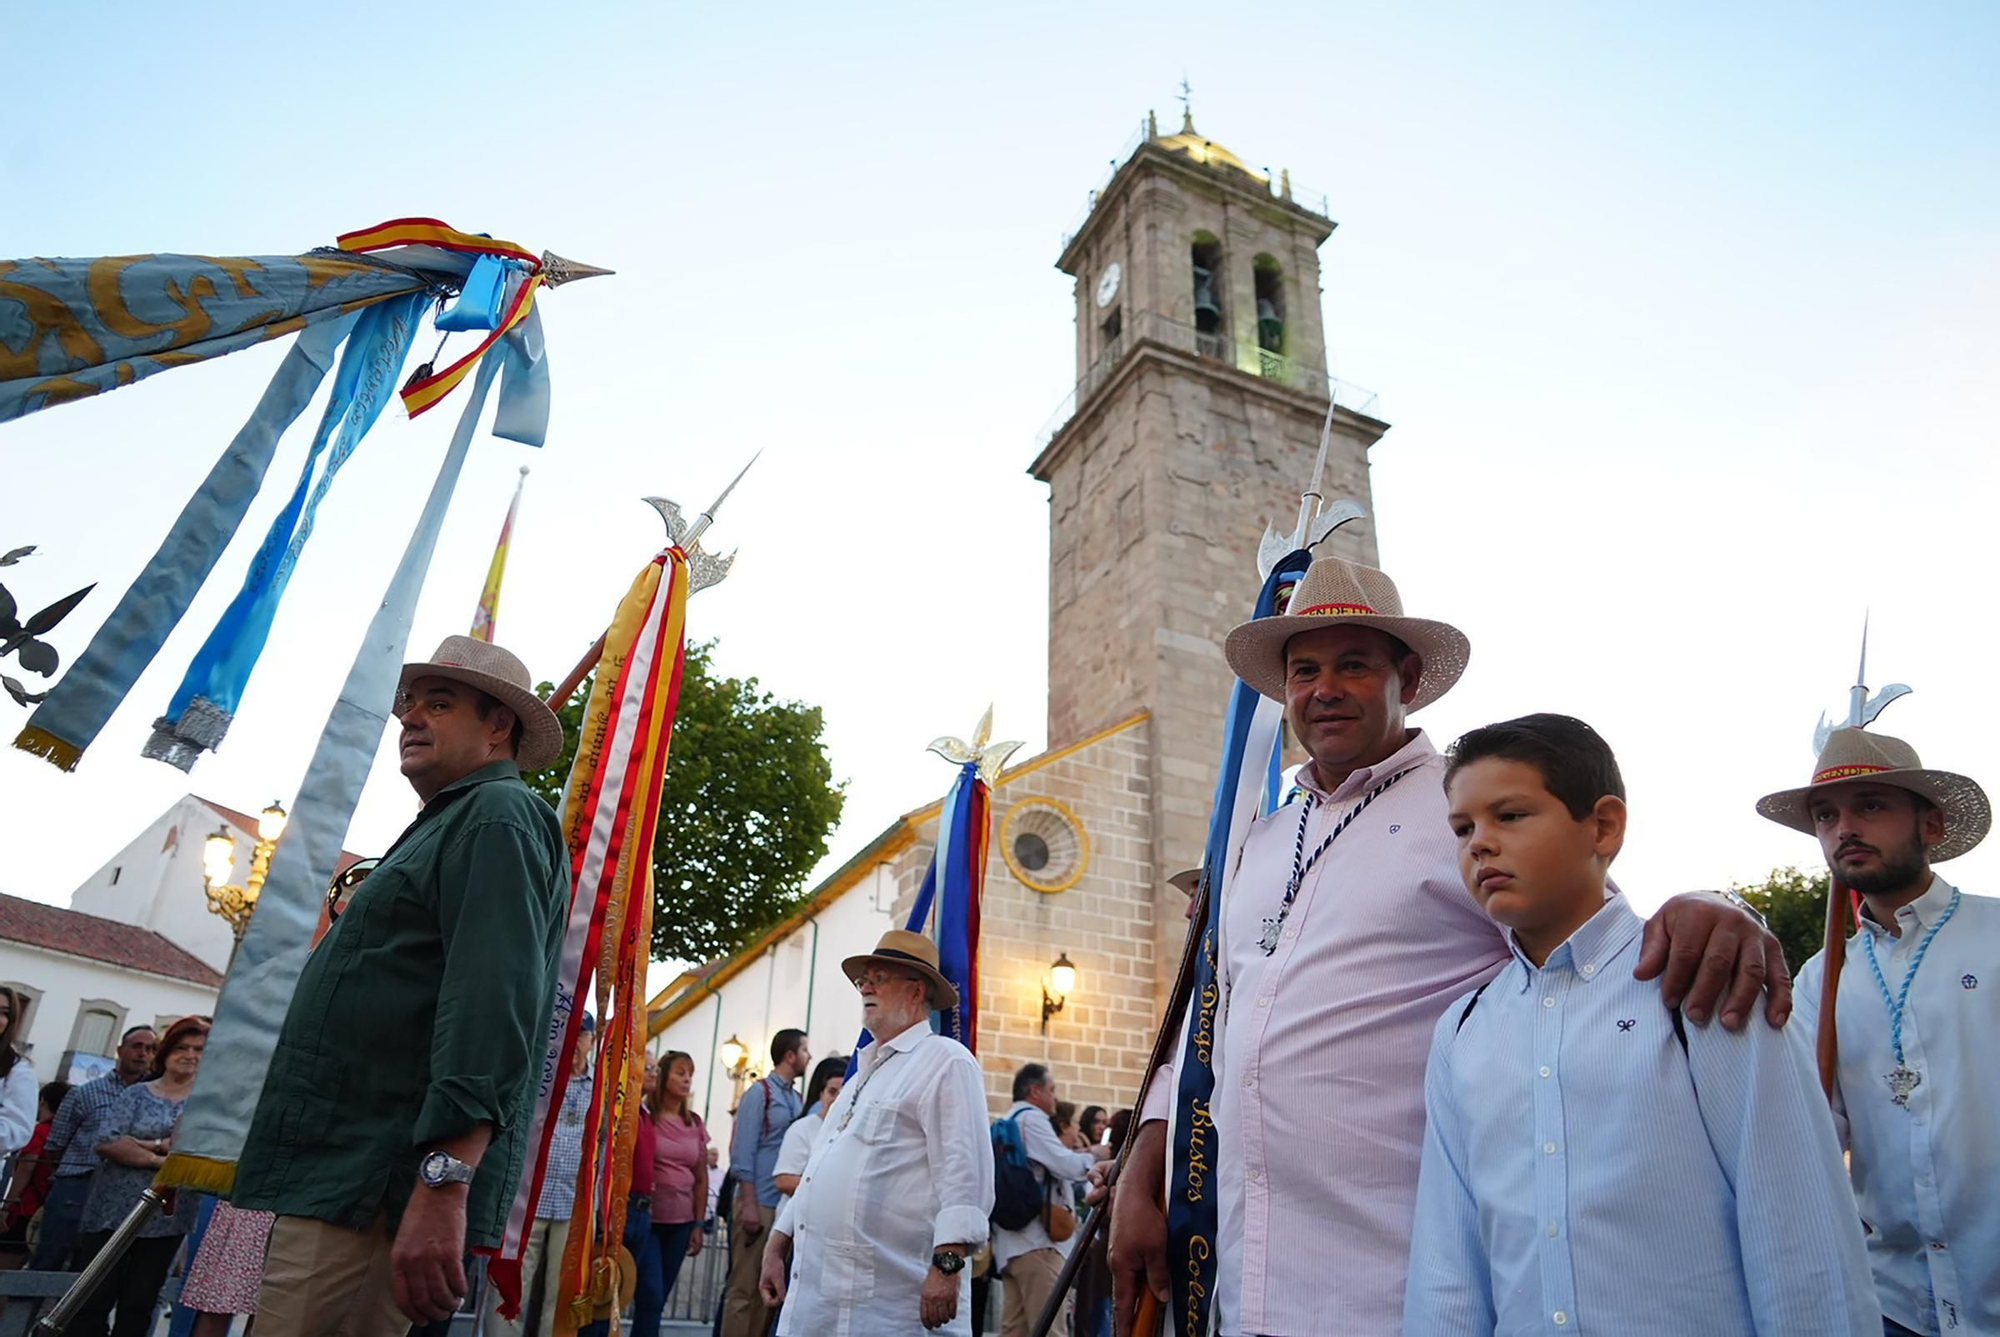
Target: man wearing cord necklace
(1917,1089)
(1346,931)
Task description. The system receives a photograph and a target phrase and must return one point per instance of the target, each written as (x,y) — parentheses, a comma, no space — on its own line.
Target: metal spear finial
(990,757)
(1315,521)
(558,270)
(704,569)
(1861,708)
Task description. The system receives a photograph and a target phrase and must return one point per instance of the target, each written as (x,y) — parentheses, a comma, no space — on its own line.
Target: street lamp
(734,1055)
(1062,980)
(218,859)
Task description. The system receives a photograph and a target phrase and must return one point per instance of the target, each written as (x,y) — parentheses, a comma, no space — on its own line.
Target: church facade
(1201,395)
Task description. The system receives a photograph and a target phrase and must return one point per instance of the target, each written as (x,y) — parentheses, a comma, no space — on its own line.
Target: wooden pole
(567,688)
(1827,1041)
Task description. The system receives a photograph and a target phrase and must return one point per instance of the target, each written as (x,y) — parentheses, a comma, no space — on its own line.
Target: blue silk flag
(961,854)
(1249,773)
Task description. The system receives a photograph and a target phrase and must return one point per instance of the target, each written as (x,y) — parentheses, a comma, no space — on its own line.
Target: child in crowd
(1592,1164)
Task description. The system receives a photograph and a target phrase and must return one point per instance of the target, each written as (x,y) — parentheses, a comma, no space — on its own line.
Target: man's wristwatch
(948,1262)
(441,1168)
(1746,908)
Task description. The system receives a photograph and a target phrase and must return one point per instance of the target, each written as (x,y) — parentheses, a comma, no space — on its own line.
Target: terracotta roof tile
(62,930)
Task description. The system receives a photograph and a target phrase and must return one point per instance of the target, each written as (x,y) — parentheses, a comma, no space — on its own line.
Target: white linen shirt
(901,1166)
(1046,1154)
(1926,1178)
(1319,1069)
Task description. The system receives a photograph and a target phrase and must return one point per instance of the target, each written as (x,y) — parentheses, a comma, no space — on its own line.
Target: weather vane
(1861,708)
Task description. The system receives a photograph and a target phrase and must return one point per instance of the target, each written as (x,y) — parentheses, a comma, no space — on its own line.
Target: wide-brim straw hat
(1187,881)
(502,676)
(1855,756)
(913,951)
(1333,593)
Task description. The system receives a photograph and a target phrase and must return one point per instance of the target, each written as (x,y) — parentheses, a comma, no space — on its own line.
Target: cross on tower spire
(1187,105)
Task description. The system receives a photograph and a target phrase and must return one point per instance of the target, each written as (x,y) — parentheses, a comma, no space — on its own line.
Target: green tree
(1795,905)
(746,809)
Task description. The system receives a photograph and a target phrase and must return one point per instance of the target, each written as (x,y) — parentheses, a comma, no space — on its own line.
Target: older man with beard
(900,1181)
(1346,931)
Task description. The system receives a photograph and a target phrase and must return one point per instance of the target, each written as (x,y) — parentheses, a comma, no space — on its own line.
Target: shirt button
(1561,1318)
(1256,1174)
(1549,1001)
(1546,1070)
(1264,1001)
(1554,1230)
(1548,1148)
(1250,1083)
(1590,969)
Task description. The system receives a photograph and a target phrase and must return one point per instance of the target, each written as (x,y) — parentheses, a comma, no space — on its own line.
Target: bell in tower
(1207,254)
(1270,305)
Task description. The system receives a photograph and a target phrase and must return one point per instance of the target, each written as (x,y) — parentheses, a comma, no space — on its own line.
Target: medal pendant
(1268,940)
(1901,1082)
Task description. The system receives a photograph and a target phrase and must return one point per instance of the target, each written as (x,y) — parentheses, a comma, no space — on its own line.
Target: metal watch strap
(1746,908)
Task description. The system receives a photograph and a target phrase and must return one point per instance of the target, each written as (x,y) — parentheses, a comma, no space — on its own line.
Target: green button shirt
(422,1013)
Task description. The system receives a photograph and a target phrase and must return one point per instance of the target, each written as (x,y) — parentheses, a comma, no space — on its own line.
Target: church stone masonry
(1200,394)
(1200,398)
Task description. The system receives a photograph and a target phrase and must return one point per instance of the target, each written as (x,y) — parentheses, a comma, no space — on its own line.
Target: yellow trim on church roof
(669,1006)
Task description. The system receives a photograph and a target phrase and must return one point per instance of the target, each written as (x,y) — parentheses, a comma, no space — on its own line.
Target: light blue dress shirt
(1585,1174)
(1927,1177)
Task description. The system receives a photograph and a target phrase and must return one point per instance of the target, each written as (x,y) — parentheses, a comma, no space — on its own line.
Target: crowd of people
(1439,1077)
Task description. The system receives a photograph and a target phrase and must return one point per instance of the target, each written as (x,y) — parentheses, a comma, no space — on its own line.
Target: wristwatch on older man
(441,1168)
(948,1261)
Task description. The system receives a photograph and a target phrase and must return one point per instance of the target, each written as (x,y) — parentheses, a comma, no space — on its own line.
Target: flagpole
(487,615)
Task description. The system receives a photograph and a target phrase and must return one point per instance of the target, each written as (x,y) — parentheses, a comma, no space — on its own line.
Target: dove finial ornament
(990,757)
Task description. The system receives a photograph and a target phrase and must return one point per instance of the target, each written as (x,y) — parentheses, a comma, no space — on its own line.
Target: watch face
(1107,286)
(432,1168)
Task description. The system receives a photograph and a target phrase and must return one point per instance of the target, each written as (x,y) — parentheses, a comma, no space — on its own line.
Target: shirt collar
(1590,948)
(502,769)
(902,1043)
(1417,749)
(1927,909)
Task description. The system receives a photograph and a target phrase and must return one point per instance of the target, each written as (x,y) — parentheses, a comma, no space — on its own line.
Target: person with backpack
(1032,1212)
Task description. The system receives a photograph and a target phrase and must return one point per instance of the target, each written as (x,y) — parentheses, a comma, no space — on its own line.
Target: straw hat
(1854,755)
(900,947)
(1187,881)
(1338,593)
(503,677)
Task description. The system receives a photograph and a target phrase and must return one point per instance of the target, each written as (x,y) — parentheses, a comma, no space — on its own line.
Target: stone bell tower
(1201,390)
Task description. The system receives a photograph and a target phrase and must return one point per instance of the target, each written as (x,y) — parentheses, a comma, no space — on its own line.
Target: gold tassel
(184,1169)
(42,743)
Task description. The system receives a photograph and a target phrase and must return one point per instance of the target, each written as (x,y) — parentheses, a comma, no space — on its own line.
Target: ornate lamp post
(218,859)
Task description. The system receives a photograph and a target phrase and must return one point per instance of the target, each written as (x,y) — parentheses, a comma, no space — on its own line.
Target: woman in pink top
(679,1190)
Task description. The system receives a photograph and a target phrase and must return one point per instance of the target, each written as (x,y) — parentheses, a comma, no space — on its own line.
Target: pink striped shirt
(1319,1091)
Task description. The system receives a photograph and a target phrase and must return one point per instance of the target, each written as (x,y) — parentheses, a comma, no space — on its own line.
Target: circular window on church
(1044,845)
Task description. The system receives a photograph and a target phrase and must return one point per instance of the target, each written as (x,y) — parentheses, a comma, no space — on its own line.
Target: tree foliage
(1795,905)
(746,810)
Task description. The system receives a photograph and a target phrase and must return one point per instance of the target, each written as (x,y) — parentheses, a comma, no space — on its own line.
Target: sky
(1682,317)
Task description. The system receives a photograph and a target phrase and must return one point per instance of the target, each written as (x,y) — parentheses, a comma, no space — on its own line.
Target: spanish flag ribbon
(431,232)
(610,815)
(421,395)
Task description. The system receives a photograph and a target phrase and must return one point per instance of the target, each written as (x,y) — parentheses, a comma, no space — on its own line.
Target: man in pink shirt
(1345,932)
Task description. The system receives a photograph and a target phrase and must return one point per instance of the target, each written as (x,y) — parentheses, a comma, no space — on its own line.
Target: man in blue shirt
(1916,1086)
(1592,1164)
(541,1256)
(762,1116)
(80,1124)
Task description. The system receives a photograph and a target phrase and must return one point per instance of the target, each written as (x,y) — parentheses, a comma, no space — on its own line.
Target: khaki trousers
(743,1312)
(1030,1277)
(323,1280)
(541,1278)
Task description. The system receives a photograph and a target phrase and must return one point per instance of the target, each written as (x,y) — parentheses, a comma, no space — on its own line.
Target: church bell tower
(1200,394)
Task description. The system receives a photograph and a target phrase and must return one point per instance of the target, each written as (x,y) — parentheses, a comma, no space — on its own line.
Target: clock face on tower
(1107,286)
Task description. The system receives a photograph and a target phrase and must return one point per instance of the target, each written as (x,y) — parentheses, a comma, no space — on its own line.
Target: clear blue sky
(1683,316)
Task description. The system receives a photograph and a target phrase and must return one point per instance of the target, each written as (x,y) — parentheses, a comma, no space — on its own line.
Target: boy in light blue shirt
(1592,1164)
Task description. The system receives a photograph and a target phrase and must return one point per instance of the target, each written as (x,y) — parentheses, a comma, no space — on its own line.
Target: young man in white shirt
(1916,1087)
(900,1184)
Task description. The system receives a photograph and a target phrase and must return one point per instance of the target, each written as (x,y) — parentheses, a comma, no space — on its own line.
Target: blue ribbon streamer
(206,701)
(1192,1186)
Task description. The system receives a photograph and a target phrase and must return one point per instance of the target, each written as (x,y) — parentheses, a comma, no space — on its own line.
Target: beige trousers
(1029,1278)
(743,1312)
(541,1273)
(323,1280)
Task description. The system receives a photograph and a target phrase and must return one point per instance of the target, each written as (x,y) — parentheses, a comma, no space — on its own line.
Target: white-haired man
(896,1194)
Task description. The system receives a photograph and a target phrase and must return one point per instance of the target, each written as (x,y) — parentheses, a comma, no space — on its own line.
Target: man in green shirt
(388,1138)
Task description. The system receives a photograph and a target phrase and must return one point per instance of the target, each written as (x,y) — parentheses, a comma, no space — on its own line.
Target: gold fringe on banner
(42,743)
(184,1169)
